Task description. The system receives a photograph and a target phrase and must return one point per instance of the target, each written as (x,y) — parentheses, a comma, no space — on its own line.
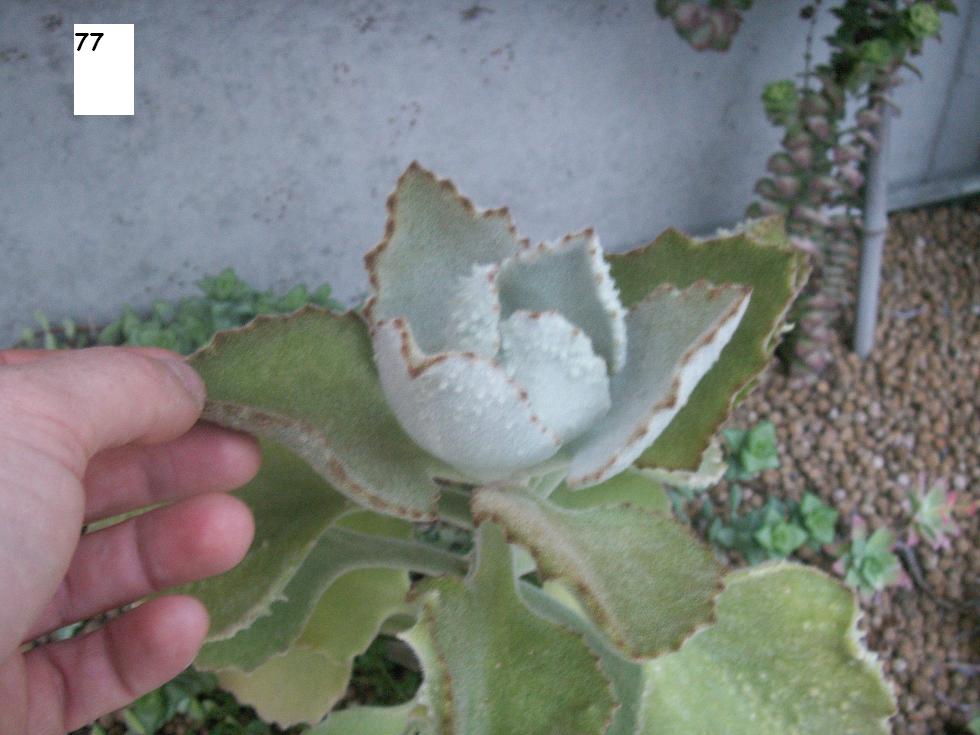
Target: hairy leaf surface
(492,666)
(372,543)
(783,657)
(759,257)
(371,721)
(292,507)
(308,380)
(644,578)
(631,486)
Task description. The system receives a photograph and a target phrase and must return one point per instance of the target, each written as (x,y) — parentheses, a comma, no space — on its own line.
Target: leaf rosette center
(506,359)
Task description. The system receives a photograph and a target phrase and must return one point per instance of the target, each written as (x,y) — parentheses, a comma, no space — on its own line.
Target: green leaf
(675,336)
(881,542)
(305,682)
(643,578)
(820,519)
(760,257)
(433,237)
(298,686)
(308,380)
(632,486)
(734,438)
(877,51)
(708,473)
(761,449)
(492,666)
(556,604)
(292,507)
(783,657)
(370,721)
(781,538)
(338,551)
(780,100)
(923,20)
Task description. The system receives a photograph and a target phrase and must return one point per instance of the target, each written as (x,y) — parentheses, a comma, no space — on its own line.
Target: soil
(866,436)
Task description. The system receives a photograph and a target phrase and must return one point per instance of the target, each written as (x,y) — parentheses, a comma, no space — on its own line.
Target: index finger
(21,355)
(79,402)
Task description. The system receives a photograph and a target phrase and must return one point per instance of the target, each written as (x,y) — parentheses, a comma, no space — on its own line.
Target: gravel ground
(865,436)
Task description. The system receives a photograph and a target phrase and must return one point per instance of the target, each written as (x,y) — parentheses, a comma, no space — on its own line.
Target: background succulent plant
(584,607)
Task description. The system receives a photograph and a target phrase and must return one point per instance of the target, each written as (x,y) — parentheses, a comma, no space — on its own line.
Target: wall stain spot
(12,53)
(474,11)
(52,22)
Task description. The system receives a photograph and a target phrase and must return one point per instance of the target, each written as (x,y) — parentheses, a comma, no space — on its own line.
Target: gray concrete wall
(268,134)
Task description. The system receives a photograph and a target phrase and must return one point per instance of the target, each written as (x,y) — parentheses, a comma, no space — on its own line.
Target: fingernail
(188,378)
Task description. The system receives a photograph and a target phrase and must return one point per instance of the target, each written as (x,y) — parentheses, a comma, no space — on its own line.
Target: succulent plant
(868,564)
(751,451)
(933,516)
(505,390)
(526,358)
(819,519)
(711,26)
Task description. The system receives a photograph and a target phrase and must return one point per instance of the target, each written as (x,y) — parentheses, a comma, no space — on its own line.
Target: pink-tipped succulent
(933,515)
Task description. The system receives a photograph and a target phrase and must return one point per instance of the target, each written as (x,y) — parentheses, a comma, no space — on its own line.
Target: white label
(104,68)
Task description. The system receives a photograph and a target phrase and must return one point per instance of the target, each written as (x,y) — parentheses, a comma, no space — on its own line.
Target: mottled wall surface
(268,134)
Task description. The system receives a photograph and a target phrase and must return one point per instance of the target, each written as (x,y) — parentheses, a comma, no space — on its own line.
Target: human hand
(86,435)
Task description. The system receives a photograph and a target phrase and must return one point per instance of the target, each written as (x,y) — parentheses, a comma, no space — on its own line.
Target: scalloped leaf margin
(784,657)
(308,380)
(492,666)
(645,580)
(759,256)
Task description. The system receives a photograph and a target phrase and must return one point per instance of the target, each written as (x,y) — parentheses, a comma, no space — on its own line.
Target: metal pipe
(875,229)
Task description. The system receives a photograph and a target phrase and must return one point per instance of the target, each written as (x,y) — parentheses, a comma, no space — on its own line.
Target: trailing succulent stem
(816,180)
(505,390)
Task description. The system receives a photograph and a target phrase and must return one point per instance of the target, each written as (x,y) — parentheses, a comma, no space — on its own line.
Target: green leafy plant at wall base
(225,302)
(505,389)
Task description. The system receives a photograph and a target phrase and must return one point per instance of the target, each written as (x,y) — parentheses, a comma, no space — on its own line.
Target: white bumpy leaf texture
(506,360)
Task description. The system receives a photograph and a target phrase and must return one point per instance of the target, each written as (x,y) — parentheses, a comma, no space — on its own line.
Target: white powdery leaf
(553,360)
(569,276)
(675,337)
(472,317)
(433,237)
(461,407)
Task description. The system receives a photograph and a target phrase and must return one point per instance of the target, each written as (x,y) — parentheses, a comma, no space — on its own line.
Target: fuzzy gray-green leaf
(492,666)
(783,657)
(643,577)
(308,380)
